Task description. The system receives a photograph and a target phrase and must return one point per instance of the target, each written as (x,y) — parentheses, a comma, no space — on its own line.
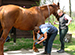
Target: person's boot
(44,53)
(61,51)
(48,54)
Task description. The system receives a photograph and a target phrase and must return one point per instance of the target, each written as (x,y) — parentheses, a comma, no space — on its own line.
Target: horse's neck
(45,12)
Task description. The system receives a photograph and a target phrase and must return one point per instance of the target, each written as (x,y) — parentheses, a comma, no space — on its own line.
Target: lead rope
(48,13)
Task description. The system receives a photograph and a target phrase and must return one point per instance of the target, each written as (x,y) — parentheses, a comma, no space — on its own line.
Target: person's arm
(68,18)
(68,22)
(45,37)
(56,23)
(40,36)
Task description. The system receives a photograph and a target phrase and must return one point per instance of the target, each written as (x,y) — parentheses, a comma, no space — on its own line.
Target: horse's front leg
(34,46)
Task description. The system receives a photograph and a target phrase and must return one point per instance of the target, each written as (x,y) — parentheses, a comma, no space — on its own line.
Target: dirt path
(31,52)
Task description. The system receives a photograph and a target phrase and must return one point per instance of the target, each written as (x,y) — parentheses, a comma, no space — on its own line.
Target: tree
(70,8)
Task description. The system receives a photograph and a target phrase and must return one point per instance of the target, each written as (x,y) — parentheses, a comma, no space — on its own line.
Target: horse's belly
(24,27)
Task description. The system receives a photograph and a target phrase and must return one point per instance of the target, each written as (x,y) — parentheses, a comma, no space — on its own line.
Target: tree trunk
(70,8)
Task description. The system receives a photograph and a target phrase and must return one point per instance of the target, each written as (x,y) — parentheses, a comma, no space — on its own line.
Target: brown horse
(23,19)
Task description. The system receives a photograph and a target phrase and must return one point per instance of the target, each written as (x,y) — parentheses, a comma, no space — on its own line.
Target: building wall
(0,2)
(26,3)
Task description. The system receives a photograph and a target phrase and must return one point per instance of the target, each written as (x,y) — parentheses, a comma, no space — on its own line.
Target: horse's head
(47,10)
(56,7)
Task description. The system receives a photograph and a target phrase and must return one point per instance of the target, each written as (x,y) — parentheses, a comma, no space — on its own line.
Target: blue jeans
(7,38)
(49,42)
(62,33)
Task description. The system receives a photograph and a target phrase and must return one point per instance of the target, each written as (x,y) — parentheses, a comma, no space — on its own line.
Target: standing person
(49,32)
(64,21)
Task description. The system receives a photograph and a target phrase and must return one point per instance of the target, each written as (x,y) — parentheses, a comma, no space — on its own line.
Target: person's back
(49,27)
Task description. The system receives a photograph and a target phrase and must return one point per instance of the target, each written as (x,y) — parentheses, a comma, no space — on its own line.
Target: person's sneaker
(61,51)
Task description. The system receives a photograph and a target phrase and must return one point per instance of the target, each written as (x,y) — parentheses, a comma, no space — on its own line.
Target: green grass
(72,26)
(20,43)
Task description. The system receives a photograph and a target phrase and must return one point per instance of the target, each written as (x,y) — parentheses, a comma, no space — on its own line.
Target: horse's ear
(54,3)
(58,5)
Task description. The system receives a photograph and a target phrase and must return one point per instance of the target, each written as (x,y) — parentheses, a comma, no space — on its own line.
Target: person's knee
(61,39)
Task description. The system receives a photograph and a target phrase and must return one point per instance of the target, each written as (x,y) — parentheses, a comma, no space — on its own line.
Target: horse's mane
(46,6)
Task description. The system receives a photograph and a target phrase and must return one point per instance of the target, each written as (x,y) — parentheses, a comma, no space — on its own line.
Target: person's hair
(36,29)
(59,11)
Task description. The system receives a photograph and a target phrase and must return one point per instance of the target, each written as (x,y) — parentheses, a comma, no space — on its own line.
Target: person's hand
(37,43)
(67,24)
(54,22)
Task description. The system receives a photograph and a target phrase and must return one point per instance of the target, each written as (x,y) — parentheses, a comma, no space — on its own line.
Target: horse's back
(10,14)
(21,18)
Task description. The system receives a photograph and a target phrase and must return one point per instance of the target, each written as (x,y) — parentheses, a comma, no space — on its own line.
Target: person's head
(60,12)
(36,30)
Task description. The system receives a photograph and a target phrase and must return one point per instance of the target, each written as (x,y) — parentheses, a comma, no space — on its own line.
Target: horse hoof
(36,51)
(34,48)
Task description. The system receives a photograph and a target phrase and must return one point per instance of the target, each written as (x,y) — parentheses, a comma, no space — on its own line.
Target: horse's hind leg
(2,39)
(1,46)
(0,30)
(1,42)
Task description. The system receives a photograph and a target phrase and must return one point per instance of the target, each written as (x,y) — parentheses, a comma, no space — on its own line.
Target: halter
(48,13)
